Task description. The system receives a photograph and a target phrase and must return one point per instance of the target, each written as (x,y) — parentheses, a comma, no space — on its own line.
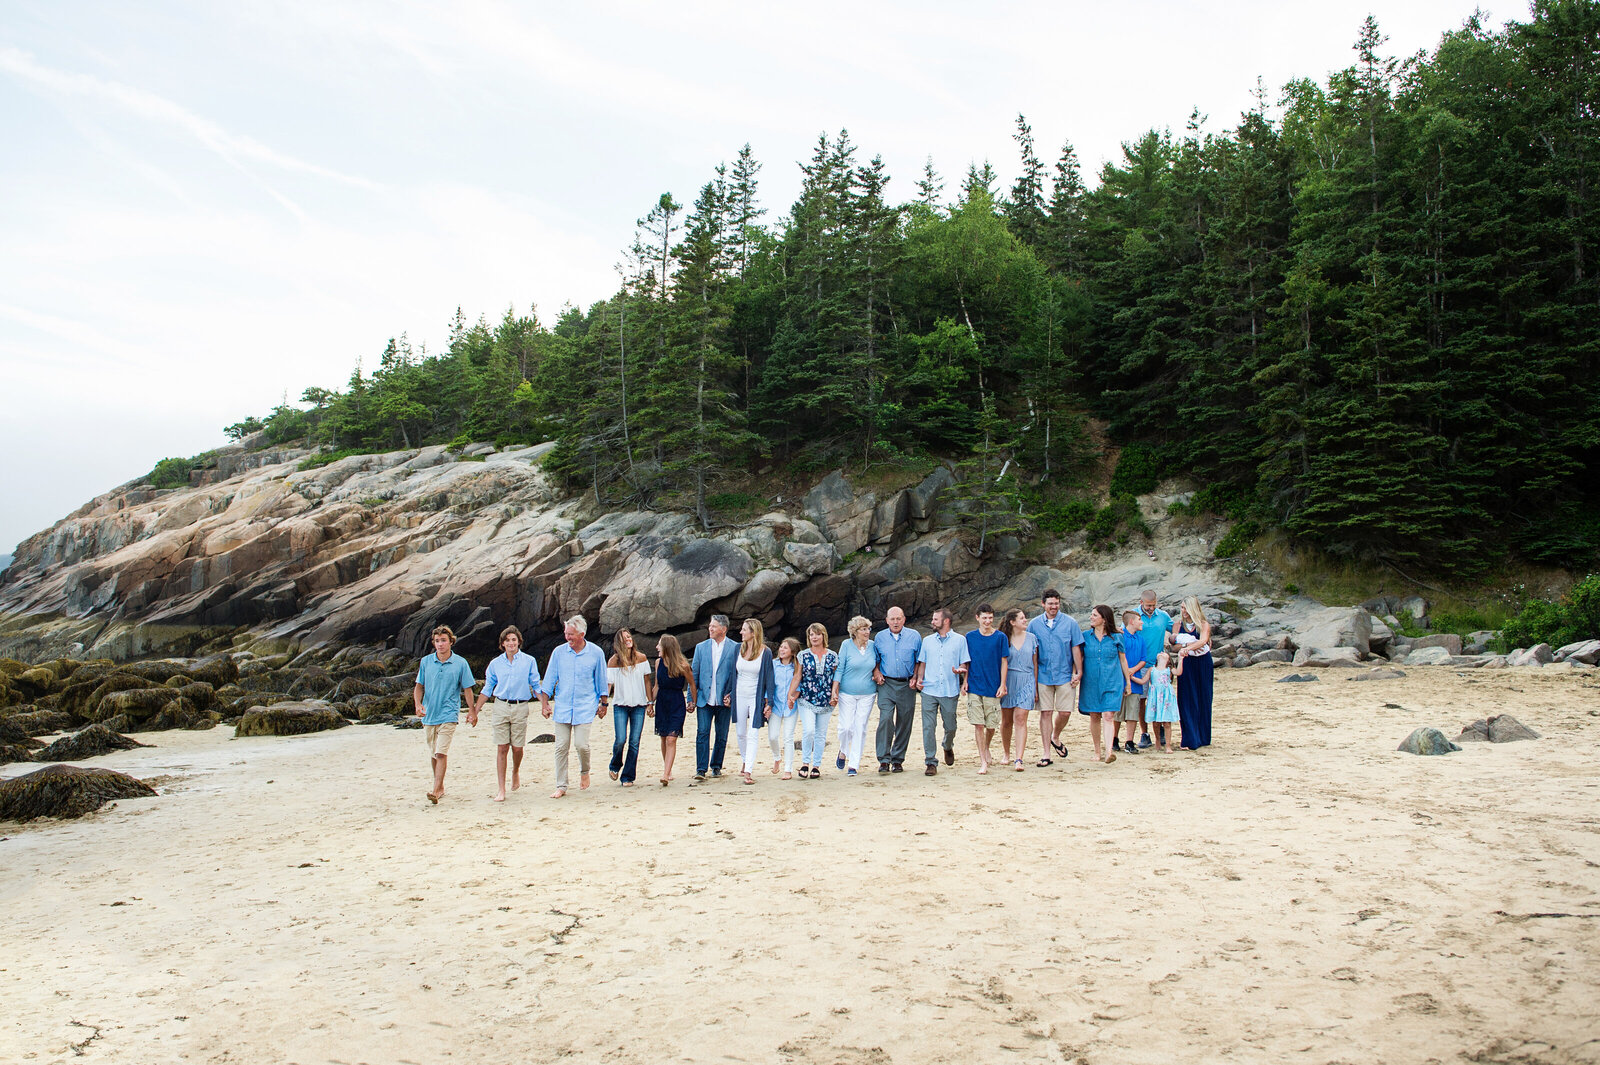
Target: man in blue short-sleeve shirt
(1060,668)
(442,679)
(1157,627)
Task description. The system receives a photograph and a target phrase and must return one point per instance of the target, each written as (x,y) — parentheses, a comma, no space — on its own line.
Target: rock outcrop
(65,791)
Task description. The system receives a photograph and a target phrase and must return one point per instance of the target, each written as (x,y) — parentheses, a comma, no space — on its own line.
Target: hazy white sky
(204,206)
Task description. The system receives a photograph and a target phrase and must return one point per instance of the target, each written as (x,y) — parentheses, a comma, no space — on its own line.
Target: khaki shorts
(438,738)
(1057,698)
(984,710)
(1130,708)
(509,722)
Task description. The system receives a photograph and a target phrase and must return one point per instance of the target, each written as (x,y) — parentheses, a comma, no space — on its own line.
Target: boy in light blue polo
(442,679)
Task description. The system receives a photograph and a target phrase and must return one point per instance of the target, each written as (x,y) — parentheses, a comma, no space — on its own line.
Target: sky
(206,208)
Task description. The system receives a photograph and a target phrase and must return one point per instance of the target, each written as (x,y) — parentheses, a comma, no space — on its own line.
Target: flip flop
(1041,763)
(1060,748)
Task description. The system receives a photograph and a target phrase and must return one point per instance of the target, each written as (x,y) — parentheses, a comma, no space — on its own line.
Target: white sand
(1300,892)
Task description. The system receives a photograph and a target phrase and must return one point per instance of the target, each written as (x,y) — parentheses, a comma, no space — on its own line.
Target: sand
(1299,892)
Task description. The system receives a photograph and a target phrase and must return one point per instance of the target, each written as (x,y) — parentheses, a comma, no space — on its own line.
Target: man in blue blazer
(713,685)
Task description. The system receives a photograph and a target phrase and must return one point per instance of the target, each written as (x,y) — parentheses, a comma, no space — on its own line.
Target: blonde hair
(757,642)
(794,647)
(624,657)
(817,628)
(671,652)
(857,622)
(1191,605)
(445,631)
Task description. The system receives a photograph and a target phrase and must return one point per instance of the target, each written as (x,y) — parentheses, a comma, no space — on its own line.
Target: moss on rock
(66,791)
(290,719)
(92,741)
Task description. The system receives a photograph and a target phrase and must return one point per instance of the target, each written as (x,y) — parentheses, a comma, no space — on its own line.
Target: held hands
(545,708)
(1000,692)
(877,676)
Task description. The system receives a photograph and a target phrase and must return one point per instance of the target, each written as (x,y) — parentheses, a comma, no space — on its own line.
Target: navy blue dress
(1194,697)
(670,707)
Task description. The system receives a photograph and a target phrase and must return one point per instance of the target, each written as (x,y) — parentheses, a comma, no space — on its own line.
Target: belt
(500,700)
(887,677)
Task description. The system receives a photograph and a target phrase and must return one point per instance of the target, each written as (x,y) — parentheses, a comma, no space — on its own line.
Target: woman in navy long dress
(673,679)
(1194,683)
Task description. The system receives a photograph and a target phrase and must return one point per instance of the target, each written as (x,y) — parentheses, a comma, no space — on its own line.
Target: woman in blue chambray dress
(1022,687)
(1105,678)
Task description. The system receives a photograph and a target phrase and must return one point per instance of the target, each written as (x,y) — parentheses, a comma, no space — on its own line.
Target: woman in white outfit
(753,693)
(857,691)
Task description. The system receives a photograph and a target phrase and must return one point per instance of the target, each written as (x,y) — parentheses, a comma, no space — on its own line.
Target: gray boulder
(1585,651)
(1477,732)
(923,500)
(1448,640)
(1322,657)
(1381,673)
(1273,655)
(1427,740)
(1416,606)
(1478,642)
(1540,654)
(1506,729)
(1298,678)
(810,559)
(1428,656)
(1338,627)
(656,594)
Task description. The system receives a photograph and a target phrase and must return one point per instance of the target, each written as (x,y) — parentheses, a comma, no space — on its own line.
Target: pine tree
(1024,208)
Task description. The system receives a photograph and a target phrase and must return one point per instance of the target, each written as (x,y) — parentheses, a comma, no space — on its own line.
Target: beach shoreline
(1299,891)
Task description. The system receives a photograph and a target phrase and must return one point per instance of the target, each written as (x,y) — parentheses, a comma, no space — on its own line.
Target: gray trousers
(568,737)
(897,709)
(933,708)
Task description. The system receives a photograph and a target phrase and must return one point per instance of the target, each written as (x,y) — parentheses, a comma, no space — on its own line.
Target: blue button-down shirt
(574,681)
(516,679)
(897,655)
(940,655)
(1055,647)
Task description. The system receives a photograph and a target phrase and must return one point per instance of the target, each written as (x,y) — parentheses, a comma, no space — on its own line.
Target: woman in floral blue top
(815,683)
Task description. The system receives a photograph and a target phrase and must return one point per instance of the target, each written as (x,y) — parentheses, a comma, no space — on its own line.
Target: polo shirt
(442,684)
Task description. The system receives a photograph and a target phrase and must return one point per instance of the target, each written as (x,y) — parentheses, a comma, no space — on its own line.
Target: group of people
(1134,680)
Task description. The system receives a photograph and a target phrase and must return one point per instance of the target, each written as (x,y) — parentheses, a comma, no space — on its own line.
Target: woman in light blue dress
(1022,688)
(1106,680)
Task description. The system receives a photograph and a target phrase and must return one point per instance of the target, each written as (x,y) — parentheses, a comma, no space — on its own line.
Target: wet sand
(1298,892)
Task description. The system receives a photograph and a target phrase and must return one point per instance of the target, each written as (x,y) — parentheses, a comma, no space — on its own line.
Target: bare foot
(433,798)
(1111,758)
(583,780)
(786,776)
(775,766)
(627,783)
(501,797)
(559,793)
(984,768)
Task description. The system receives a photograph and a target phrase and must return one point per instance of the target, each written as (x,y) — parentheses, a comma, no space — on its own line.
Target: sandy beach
(1298,892)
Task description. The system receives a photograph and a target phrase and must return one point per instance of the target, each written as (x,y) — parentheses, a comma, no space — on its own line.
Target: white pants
(854,710)
(780,736)
(568,737)
(749,736)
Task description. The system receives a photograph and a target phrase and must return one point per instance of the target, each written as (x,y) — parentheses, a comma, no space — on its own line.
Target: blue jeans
(813,732)
(707,756)
(628,721)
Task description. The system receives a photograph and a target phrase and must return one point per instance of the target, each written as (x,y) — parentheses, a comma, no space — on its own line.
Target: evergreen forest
(1367,315)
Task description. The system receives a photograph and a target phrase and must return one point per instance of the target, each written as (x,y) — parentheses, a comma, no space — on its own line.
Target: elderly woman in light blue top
(574,692)
(858,665)
(1106,679)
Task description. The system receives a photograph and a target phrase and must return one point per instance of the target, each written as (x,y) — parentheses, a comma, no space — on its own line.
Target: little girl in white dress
(1161,709)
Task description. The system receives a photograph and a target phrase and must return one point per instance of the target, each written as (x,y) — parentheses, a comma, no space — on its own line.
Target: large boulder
(1428,656)
(290,719)
(1335,627)
(809,559)
(1448,640)
(1503,728)
(666,591)
(65,791)
(1324,657)
(1540,654)
(1427,741)
(1585,651)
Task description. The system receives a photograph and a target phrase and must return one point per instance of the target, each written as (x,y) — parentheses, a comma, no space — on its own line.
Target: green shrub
(1574,617)
(324,458)
(171,473)
(1115,523)
(735,503)
(1238,538)
(1138,470)
(1063,517)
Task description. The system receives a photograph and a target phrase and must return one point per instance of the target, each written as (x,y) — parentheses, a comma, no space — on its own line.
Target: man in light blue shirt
(510,682)
(1060,668)
(574,692)
(898,650)
(940,665)
(442,679)
(1157,627)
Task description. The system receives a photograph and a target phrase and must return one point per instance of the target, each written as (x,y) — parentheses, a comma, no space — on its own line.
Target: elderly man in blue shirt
(1060,668)
(898,648)
(574,692)
(941,664)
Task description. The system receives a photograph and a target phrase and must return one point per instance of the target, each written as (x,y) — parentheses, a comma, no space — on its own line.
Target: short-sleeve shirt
(442,684)
(1056,641)
(1133,648)
(1154,634)
(816,678)
(855,668)
(983,678)
(940,655)
(897,655)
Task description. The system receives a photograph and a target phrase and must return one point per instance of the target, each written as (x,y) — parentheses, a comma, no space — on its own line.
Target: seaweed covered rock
(35,682)
(1427,741)
(10,667)
(66,791)
(16,752)
(216,670)
(351,687)
(181,713)
(134,704)
(313,681)
(43,722)
(159,670)
(96,739)
(290,719)
(11,732)
(197,692)
(83,697)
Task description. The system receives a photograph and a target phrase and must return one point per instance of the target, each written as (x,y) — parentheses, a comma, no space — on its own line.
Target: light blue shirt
(897,655)
(855,668)
(516,679)
(940,655)
(442,685)
(1154,634)
(1055,647)
(574,681)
